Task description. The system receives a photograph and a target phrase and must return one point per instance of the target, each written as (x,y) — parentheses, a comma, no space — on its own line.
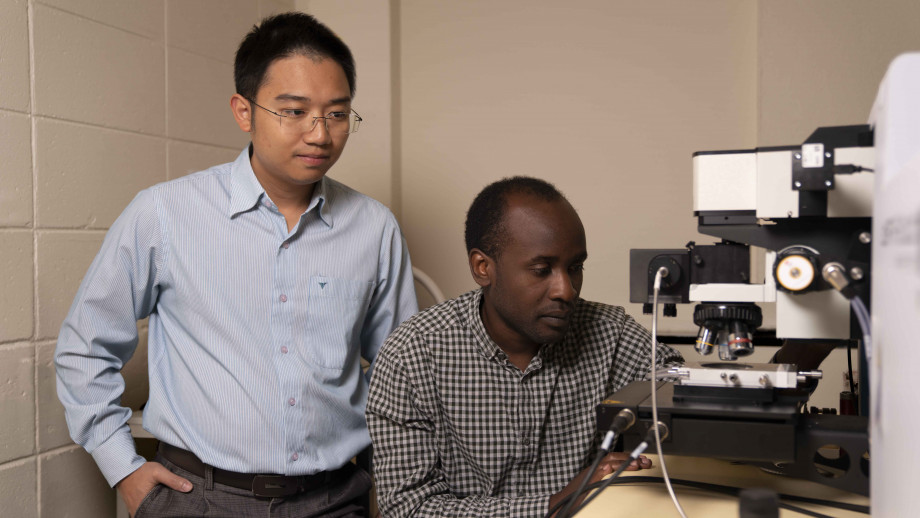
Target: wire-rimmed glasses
(301,120)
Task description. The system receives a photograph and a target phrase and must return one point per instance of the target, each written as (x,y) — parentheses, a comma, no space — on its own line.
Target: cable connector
(623,421)
(662,432)
(836,276)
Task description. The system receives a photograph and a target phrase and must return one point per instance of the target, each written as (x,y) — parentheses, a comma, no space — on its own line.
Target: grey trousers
(346,497)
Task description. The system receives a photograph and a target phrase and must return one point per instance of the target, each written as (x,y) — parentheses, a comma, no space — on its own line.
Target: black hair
(284,35)
(485,227)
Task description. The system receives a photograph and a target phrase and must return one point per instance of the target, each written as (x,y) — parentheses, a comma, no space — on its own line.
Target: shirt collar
(246,191)
(484,342)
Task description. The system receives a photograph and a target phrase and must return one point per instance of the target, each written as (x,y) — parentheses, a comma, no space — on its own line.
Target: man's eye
(295,114)
(541,271)
(577,268)
(338,115)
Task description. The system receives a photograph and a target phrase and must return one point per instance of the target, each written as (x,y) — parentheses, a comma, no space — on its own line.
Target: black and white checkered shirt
(460,431)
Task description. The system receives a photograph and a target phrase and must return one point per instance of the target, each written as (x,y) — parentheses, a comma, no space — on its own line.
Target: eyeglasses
(301,120)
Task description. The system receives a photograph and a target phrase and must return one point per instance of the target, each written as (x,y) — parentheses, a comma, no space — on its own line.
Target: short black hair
(285,35)
(485,227)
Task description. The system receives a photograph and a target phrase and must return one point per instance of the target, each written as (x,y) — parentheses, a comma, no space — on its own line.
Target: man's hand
(610,463)
(135,486)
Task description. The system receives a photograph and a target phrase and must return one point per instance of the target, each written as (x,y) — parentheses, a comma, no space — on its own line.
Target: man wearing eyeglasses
(265,283)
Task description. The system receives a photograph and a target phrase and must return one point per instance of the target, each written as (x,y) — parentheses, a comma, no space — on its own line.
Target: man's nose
(319,133)
(563,287)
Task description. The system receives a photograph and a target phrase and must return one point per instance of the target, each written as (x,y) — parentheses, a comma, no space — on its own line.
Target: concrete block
(63,258)
(212,28)
(185,157)
(17,399)
(16,157)
(17,489)
(17,302)
(199,101)
(52,427)
(14,55)
(89,72)
(71,485)
(142,17)
(87,175)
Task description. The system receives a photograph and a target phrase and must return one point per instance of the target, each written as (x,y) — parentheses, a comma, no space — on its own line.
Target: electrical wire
(664,468)
(716,488)
(850,366)
(601,453)
(606,482)
(735,491)
(865,324)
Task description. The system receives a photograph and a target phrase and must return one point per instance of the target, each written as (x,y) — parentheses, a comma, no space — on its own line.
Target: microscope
(809,207)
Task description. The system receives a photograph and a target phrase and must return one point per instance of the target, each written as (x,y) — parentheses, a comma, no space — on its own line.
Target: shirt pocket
(336,312)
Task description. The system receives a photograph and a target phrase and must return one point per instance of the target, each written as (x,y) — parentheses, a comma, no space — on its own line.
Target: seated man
(484,405)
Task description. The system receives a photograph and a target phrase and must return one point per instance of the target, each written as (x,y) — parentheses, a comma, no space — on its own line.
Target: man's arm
(634,357)
(407,460)
(99,336)
(394,295)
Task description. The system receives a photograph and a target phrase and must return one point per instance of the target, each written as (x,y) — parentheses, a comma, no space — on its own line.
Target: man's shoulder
(444,319)
(219,173)
(341,195)
(587,312)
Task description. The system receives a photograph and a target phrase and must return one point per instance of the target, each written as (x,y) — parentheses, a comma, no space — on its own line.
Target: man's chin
(554,334)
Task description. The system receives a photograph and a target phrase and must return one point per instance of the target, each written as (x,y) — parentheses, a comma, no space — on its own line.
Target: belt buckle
(273,486)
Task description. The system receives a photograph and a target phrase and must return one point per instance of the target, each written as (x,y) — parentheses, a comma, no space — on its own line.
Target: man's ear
(242,112)
(482,267)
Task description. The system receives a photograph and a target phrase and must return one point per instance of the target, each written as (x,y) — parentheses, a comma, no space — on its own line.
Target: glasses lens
(307,123)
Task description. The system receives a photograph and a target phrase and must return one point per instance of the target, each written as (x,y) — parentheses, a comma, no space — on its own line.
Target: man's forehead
(538,224)
(305,78)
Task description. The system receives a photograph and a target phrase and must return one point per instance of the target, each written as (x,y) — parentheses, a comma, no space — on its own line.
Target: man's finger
(173,481)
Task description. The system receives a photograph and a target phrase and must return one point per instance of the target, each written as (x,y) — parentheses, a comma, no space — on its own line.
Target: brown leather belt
(261,485)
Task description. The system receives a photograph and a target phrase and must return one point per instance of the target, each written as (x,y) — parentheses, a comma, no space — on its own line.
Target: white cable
(865,324)
(664,469)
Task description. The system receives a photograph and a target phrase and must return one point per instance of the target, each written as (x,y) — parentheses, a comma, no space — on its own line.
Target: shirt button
(284,349)
(283,298)
(291,401)
(526,441)
(295,457)
(285,245)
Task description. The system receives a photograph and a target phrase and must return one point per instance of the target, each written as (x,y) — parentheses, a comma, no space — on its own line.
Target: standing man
(265,283)
(484,405)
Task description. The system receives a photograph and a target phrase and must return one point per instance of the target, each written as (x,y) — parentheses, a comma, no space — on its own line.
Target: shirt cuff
(117,457)
(529,506)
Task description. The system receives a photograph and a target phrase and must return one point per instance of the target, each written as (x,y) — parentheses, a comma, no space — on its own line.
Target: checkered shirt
(460,431)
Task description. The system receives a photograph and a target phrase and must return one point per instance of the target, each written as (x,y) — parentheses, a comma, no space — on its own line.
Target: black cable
(581,487)
(573,496)
(734,491)
(606,482)
(850,366)
(718,488)
(624,419)
(850,169)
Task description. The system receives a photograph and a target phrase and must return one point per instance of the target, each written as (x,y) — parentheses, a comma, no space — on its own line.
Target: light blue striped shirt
(255,332)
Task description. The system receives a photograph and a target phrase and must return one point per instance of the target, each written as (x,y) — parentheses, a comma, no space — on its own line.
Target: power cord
(661,273)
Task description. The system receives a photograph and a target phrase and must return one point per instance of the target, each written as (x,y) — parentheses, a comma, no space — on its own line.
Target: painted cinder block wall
(98,100)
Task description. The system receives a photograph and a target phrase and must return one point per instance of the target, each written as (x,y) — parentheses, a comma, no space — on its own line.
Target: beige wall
(98,99)
(605,99)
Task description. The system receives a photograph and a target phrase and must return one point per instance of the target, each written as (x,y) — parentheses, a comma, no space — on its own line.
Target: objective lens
(705,340)
(739,340)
